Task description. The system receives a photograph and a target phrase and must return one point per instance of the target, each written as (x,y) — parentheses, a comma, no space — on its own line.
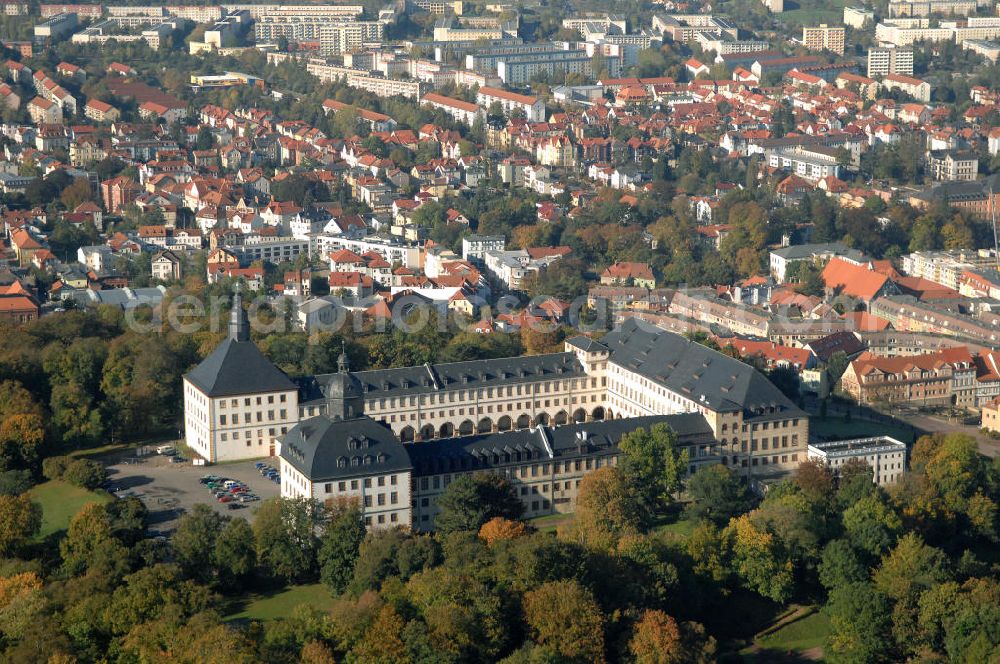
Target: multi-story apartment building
(521,71)
(944,377)
(916,88)
(946,267)
(952,165)
(824,38)
(910,8)
(335,35)
(474,247)
(272,249)
(890,60)
(908,314)
(463,111)
(906,31)
(608,22)
(687,27)
(533,108)
(811,164)
(264,11)
(781,259)
(703,306)
(57,27)
(858,17)
(89,11)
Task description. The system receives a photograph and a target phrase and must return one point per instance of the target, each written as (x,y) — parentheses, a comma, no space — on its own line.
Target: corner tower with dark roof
(236,401)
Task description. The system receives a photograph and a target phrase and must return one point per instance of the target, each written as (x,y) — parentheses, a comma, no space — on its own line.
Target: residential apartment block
(884,61)
(824,38)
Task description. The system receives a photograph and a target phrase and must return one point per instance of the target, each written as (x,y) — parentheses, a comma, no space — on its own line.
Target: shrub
(54,468)
(86,473)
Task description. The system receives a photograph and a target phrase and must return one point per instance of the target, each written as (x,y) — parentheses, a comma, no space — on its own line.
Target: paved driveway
(170,489)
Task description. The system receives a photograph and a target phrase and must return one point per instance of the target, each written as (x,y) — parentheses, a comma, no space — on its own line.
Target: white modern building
(886,456)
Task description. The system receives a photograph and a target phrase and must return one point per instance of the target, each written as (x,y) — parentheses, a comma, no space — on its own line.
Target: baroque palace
(394,438)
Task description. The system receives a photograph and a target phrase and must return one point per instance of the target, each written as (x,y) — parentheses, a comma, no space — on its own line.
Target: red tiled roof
(853,280)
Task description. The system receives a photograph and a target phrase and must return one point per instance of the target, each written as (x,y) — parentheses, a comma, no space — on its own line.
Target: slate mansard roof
(482,451)
(428,378)
(325,449)
(719,382)
(322,448)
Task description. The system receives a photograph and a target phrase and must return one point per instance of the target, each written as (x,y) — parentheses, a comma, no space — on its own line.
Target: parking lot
(170,489)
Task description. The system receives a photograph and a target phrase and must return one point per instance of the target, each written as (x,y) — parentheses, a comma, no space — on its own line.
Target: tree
(90,544)
(205,139)
(154,592)
(717,494)
(910,569)
(500,529)
(861,631)
(566,620)
(381,643)
(872,525)
(339,550)
(285,536)
(814,480)
(194,542)
(20,520)
(472,500)
(656,639)
(785,379)
(76,193)
(841,565)
(85,473)
(759,560)
(234,555)
(652,464)
(606,508)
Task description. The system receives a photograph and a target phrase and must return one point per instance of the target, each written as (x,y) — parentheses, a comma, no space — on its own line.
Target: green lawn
(60,501)
(835,428)
(682,527)
(278,604)
(550,522)
(810,12)
(803,634)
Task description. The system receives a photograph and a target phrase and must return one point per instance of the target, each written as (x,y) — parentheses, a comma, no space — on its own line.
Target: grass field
(682,527)
(803,634)
(840,428)
(550,522)
(278,604)
(60,501)
(810,12)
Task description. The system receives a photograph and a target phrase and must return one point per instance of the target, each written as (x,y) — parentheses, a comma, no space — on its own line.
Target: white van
(165,449)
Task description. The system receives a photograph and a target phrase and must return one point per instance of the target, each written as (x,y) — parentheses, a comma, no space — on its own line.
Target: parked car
(235,506)
(259,465)
(206,479)
(225,499)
